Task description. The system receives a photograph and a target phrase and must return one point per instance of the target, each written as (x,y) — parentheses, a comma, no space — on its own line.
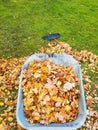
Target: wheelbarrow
(65,60)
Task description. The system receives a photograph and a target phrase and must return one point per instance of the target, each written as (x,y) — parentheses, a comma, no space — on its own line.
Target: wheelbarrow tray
(66,60)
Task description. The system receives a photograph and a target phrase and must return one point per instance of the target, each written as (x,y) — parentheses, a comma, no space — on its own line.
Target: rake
(54,37)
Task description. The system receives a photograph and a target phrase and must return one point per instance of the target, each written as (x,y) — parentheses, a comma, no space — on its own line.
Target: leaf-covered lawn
(22,25)
(9,80)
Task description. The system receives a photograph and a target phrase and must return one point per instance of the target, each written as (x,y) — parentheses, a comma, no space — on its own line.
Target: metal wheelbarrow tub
(66,60)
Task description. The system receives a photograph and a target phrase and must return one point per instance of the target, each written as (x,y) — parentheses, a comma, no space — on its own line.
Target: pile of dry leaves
(9,80)
(50,93)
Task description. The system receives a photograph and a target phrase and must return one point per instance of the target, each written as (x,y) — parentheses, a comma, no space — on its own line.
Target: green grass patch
(24,22)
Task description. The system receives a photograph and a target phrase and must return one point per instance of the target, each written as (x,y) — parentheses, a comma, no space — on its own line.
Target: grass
(24,22)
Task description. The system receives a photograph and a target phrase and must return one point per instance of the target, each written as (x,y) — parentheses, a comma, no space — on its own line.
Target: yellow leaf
(2,127)
(24,81)
(36,118)
(28,102)
(52,118)
(2,88)
(1,77)
(48,109)
(33,108)
(10,119)
(37,75)
(58,83)
(54,98)
(35,90)
(67,101)
(1,104)
(1,119)
(59,100)
(42,95)
(68,108)
(31,121)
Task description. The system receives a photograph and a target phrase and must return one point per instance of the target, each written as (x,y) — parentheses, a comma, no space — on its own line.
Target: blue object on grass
(51,36)
(66,60)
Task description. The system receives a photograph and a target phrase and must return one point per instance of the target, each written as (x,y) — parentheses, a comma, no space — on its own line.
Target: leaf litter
(9,80)
(50,91)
